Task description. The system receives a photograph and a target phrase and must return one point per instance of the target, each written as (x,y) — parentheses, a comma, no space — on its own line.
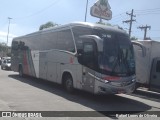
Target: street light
(8,28)
(86,11)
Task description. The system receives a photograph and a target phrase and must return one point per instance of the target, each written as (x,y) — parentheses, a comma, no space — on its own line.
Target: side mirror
(142,46)
(97,39)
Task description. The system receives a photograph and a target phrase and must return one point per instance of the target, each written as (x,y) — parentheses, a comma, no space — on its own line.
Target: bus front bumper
(114,87)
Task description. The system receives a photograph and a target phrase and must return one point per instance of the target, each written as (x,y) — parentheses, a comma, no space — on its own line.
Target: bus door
(155,75)
(89,65)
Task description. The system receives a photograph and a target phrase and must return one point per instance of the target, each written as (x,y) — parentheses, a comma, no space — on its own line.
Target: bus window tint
(78,31)
(15,45)
(88,48)
(65,41)
(49,40)
(158,67)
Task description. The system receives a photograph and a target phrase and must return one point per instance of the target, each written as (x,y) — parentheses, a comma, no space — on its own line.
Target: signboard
(101,9)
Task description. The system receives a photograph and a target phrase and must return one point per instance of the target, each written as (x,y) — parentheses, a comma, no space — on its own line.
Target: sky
(28,15)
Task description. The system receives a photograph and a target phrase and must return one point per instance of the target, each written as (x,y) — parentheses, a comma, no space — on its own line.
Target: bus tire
(21,71)
(68,83)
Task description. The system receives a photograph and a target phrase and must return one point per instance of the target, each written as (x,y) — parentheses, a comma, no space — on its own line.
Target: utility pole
(8,35)
(86,11)
(8,28)
(145,30)
(130,21)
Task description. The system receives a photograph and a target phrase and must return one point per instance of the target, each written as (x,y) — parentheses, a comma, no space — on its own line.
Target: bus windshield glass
(117,57)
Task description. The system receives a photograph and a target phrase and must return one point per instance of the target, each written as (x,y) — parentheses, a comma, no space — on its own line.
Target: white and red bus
(90,57)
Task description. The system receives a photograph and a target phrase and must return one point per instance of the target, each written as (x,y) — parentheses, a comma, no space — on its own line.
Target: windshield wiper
(116,60)
(124,59)
(120,60)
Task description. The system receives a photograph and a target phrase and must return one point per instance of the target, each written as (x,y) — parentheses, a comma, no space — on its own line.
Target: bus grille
(121,84)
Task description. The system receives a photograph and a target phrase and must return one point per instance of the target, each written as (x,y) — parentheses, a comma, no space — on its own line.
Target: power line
(155,30)
(139,23)
(40,11)
(118,20)
(155,37)
(119,15)
(148,14)
(147,10)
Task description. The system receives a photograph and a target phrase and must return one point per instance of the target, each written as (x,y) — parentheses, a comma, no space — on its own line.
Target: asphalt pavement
(31,94)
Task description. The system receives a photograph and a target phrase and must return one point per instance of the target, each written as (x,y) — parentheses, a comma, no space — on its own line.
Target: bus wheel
(68,83)
(20,71)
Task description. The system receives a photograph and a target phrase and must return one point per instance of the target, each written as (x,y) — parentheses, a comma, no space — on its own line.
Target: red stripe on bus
(25,63)
(111,78)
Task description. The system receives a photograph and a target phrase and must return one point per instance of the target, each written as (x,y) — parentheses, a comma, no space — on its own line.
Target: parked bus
(90,57)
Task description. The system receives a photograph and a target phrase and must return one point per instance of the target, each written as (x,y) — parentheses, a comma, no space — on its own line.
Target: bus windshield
(117,57)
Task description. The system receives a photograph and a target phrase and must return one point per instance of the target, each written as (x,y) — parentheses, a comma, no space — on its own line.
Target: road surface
(30,94)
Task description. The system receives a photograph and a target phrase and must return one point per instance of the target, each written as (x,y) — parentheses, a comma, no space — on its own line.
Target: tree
(103,23)
(134,38)
(108,24)
(148,38)
(3,47)
(47,25)
(3,50)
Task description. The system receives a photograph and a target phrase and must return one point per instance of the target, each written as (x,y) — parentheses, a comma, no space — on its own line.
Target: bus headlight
(133,80)
(106,81)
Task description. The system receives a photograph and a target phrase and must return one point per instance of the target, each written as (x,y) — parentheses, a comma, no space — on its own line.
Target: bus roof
(83,24)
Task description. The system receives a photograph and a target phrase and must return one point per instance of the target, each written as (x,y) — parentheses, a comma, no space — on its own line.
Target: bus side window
(15,45)
(65,41)
(158,67)
(88,54)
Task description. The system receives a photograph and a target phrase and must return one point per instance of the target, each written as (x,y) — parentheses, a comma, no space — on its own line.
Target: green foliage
(108,24)
(9,54)
(103,23)
(134,38)
(103,2)
(3,47)
(147,38)
(4,50)
(47,25)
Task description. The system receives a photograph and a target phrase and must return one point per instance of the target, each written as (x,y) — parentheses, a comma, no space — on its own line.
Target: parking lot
(30,94)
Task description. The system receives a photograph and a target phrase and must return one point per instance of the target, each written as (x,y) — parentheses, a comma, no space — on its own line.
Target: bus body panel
(54,63)
(36,58)
(88,82)
(79,76)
